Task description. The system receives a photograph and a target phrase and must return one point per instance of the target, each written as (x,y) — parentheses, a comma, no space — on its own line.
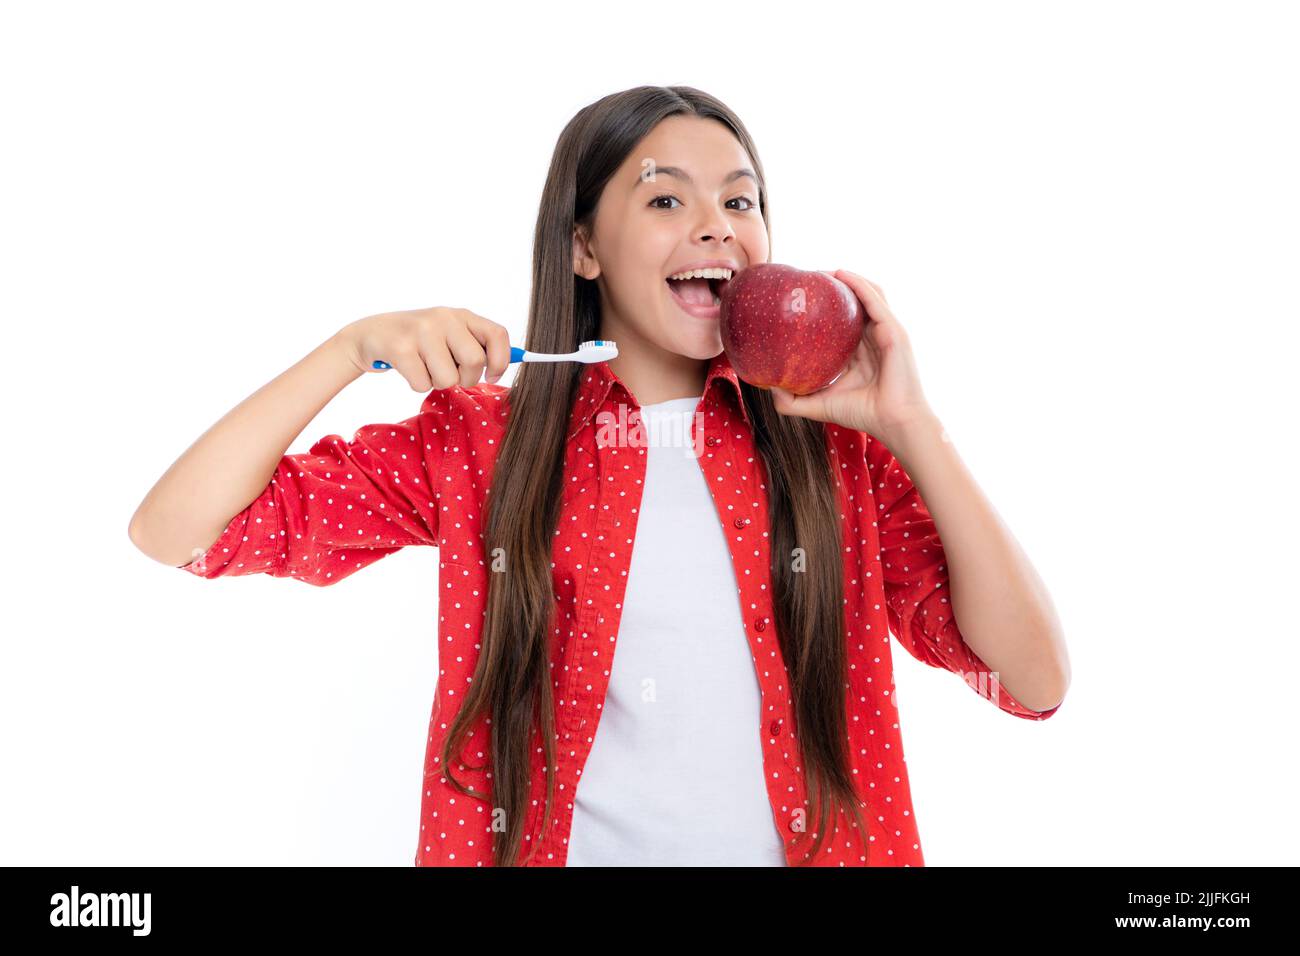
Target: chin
(702,346)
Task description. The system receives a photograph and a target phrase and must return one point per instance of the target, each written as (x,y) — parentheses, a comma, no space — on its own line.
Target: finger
(468,353)
(876,286)
(874,302)
(408,364)
(883,330)
(804,406)
(435,355)
(496,341)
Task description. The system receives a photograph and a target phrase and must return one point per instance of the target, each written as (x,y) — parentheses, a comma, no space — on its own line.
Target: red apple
(787,327)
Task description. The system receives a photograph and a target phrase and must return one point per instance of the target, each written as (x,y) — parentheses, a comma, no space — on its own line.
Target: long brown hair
(512,678)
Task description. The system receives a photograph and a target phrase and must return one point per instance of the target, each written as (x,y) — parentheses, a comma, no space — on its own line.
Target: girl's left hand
(879,391)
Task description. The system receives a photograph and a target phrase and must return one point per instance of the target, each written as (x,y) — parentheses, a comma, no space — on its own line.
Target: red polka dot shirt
(344,505)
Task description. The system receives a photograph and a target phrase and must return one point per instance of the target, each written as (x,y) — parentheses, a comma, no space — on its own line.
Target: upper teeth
(703,274)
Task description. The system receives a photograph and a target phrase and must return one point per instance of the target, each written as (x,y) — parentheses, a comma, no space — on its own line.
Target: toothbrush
(596,350)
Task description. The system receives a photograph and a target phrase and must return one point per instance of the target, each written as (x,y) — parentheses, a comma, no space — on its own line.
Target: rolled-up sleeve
(916,585)
(341,506)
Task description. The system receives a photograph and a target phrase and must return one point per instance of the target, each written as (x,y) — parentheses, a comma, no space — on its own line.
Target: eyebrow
(685,177)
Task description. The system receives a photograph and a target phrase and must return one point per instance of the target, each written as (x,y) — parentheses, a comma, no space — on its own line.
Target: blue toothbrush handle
(516,355)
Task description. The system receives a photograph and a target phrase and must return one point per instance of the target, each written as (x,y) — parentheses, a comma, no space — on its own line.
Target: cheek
(655,243)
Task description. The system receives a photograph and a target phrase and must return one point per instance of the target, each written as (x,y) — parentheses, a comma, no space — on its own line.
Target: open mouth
(700,297)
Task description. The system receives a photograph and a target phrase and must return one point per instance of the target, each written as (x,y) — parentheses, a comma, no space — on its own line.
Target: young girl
(646,657)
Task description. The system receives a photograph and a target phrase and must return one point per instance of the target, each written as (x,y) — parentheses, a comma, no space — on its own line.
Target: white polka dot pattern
(331,512)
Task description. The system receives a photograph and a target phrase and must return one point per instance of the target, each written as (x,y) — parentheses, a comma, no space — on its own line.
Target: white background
(1084,214)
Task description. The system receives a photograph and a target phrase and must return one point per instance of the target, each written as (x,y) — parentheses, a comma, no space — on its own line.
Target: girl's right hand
(430,348)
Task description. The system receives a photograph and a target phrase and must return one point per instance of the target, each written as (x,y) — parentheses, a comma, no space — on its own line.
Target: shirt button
(774,728)
(760,624)
(741,522)
(711,440)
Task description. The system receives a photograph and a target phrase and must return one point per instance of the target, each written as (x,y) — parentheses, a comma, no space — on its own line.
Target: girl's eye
(744,199)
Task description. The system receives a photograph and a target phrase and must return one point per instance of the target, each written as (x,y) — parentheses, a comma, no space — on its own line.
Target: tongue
(693,291)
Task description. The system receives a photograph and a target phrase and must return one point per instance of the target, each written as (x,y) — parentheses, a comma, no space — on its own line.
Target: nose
(714,226)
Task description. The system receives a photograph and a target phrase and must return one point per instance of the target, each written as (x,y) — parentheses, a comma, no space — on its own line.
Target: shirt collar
(598,380)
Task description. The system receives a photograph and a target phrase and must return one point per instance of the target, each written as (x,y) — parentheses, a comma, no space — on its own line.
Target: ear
(584,258)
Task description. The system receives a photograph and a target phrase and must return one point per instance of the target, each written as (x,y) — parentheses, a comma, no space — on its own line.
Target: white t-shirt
(675,776)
